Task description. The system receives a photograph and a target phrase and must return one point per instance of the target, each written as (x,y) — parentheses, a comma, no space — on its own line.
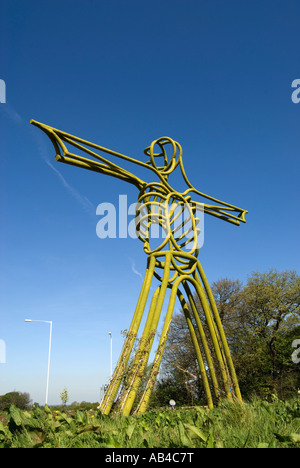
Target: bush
(20,400)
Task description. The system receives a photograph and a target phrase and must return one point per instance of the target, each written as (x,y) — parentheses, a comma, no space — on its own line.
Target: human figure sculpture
(174,263)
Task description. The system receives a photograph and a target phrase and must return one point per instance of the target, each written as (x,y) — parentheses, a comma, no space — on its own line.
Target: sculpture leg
(186,311)
(115,382)
(160,349)
(203,340)
(213,334)
(220,331)
(142,355)
(213,329)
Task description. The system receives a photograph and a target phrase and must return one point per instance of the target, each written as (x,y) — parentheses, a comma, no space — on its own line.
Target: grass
(255,425)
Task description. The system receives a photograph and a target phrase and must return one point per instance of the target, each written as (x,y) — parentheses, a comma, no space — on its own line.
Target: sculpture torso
(169,216)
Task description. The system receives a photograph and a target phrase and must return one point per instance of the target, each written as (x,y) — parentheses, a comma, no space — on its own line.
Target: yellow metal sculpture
(174,263)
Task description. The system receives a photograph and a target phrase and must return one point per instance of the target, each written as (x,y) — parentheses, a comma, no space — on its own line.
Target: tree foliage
(64,396)
(18,399)
(261,321)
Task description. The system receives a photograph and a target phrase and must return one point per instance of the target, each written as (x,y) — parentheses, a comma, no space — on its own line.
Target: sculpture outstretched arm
(222,210)
(102,165)
(236,217)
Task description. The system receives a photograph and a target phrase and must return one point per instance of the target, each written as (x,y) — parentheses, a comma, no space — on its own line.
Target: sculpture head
(168,150)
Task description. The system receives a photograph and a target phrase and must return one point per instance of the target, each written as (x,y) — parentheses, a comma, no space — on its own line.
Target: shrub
(20,400)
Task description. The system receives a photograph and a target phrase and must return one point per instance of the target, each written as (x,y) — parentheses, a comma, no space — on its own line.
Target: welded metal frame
(174,263)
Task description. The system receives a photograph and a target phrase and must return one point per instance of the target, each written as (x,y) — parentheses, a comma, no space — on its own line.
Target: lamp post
(49,354)
(110,354)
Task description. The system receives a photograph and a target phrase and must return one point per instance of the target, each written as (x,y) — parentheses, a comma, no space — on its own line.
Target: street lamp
(50,337)
(110,354)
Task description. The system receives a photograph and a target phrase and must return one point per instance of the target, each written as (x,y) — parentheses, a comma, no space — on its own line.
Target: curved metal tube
(173,263)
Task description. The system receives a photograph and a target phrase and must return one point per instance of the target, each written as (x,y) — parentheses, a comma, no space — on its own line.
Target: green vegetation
(255,425)
(261,321)
(21,400)
(64,396)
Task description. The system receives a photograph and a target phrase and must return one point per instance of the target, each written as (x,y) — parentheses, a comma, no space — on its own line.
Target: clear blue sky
(215,76)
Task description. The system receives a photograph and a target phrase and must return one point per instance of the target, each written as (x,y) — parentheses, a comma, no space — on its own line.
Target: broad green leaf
(195,430)
(184,439)
(129,430)
(210,443)
(47,409)
(16,415)
(263,445)
(295,437)
(2,428)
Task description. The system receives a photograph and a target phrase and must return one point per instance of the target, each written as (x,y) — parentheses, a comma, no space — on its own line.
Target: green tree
(21,400)
(261,321)
(269,311)
(64,396)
